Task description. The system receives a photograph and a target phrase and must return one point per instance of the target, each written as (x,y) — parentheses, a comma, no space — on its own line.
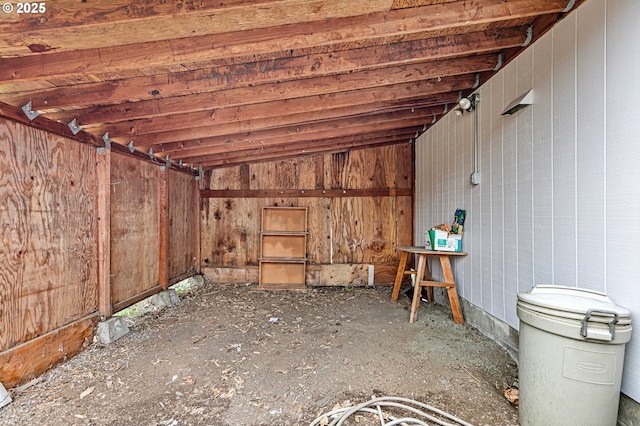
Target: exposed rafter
(216,84)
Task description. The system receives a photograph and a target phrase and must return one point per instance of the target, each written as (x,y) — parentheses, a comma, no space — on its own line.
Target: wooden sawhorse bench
(429,283)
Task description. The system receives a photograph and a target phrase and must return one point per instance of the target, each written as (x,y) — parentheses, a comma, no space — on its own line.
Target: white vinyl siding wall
(559,198)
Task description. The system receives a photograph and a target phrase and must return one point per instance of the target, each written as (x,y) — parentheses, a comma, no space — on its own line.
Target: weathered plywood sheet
(181,224)
(134,227)
(364,230)
(342,230)
(344,275)
(294,173)
(224,178)
(230,231)
(383,167)
(48,232)
(235,275)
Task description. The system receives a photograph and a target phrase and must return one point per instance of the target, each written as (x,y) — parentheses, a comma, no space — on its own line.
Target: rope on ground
(425,413)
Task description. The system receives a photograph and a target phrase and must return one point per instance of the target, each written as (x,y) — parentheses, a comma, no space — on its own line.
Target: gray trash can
(571,354)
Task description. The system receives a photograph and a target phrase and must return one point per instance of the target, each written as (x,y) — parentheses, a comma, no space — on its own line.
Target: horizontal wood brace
(135,299)
(436,284)
(298,193)
(283,259)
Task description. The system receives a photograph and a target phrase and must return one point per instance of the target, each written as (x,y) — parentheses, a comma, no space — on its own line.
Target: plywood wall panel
(134,227)
(364,229)
(48,252)
(292,173)
(342,229)
(224,178)
(182,202)
(230,231)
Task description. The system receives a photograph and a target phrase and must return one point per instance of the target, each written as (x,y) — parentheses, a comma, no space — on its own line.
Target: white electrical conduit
(340,415)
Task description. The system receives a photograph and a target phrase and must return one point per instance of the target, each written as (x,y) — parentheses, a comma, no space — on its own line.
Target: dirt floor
(230,355)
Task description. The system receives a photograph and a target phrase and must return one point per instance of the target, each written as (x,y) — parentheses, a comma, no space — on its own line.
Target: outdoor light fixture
(469,103)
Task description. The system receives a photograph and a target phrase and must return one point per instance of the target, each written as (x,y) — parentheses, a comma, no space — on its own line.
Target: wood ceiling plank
(250,117)
(408,116)
(69,13)
(279,120)
(259,94)
(210,79)
(340,144)
(403,4)
(282,136)
(168,24)
(286,37)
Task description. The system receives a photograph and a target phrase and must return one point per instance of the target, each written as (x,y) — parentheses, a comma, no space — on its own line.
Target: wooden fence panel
(48,229)
(182,226)
(135,229)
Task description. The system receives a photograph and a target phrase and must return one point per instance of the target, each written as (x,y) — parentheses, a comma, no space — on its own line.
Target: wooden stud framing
(196,225)
(103,201)
(163,199)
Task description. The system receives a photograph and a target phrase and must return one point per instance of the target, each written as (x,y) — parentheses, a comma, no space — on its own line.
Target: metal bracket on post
(107,140)
(167,161)
(29,112)
(131,148)
(199,177)
(151,156)
(73,125)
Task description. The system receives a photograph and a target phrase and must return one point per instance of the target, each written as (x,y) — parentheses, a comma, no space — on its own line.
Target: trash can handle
(612,324)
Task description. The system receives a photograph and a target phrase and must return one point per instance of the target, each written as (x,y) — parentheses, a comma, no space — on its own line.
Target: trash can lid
(571,300)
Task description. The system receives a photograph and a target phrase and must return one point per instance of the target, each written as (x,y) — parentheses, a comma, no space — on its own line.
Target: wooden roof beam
(267,115)
(259,94)
(296,150)
(270,140)
(285,38)
(209,79)
(300,132)
(157,22)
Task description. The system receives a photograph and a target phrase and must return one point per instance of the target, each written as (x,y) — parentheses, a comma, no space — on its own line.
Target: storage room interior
(291,147)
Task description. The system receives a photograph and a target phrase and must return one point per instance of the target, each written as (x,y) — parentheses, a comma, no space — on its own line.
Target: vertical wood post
(196,227)
(163,198)
(103,209)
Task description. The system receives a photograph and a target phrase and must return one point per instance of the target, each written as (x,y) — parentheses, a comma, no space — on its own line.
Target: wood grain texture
(163,225)
(134,227)
(230,232)
(234,275)
(182,227)
(25,362)
(48,229)
(341,229)
(103,207)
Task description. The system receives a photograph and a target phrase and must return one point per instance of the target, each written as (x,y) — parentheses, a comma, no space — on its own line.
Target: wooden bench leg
(415,303)
(398,282)
(451,291)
